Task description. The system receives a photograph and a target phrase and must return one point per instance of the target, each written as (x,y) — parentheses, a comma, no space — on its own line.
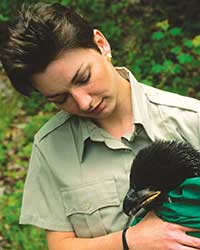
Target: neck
(118,128)
(120,121)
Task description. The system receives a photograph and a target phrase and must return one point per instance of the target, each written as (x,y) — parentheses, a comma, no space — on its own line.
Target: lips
(98,108)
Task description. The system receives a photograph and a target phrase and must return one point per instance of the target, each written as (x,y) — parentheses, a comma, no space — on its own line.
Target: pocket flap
(90,197)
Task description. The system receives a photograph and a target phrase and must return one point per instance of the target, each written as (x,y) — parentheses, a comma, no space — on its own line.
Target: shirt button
(87,205)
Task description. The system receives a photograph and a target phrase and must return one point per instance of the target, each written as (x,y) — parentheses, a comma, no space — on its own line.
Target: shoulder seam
(191,105)
(55,122)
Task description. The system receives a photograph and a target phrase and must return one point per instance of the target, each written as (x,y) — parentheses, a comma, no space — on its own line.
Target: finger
(189,229)
(190,241)
(186,248)
(183,228)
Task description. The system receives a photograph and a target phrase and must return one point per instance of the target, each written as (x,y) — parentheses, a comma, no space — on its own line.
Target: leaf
(176,69)
(197,50)
(157,68)
(176,50)
(184,58)
(3,18)
(168,63)
(175,31)
(164,25)
(136,69)
(196,41)
(157,35)
(187,43)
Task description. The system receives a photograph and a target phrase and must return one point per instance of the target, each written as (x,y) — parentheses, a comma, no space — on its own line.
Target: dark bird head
(158,169)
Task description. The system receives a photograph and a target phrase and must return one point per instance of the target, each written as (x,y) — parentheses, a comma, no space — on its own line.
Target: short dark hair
(42,31)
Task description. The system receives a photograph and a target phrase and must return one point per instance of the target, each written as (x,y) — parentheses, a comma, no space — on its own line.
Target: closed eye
(62,99)
(84,80)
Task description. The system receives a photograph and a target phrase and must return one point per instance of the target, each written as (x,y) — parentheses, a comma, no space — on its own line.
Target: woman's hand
(152,233)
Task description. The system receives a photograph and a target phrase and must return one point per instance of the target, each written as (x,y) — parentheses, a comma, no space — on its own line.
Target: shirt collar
(139,101)
(88,129)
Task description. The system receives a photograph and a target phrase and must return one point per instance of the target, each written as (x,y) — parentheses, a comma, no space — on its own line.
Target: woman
(80,163)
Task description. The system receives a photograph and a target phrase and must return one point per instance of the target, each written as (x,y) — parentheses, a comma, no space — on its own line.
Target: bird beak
(130,201)
(134,200)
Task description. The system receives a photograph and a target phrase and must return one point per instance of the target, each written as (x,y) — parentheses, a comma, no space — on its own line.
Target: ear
(101,42)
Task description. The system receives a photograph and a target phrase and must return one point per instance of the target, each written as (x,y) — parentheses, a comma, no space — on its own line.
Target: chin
(105,114)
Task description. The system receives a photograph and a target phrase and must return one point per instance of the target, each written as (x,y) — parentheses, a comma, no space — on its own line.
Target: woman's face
(81,82)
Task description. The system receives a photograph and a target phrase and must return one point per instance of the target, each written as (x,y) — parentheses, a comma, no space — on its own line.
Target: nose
(82,99)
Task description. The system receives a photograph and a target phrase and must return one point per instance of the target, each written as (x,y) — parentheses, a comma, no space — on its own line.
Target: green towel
(184,208)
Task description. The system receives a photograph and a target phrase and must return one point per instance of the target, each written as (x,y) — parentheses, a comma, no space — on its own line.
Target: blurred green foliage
(168,60)
(15,150)
(28,238)
(7,105)
(158,40)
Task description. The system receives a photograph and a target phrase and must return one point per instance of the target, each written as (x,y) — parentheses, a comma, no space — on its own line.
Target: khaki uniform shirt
(79,174)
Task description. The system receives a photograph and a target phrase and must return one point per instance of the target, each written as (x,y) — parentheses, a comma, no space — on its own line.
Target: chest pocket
(90,206)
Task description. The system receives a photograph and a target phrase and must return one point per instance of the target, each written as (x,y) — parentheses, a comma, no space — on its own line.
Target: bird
(157,170)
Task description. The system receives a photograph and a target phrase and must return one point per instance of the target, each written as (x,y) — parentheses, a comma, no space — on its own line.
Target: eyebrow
(73,80)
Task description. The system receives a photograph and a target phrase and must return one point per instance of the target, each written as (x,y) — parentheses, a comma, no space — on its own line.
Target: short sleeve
(42,204)
(174,116)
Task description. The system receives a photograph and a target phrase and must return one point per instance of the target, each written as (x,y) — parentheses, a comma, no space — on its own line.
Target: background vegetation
(158,40)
